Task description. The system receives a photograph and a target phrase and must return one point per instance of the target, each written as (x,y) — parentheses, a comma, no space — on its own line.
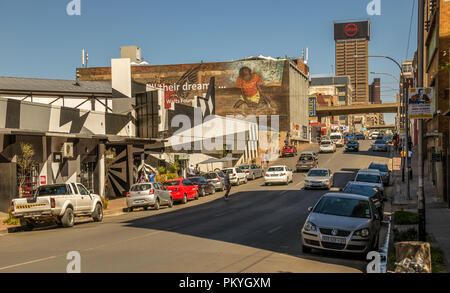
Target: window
(82,189)
(52,190)
(318,173)
(275,169)
(344,207)
(172,183)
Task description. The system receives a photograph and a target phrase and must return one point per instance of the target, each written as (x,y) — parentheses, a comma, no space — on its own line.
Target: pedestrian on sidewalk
(142,178)
(227,185)
(151,176)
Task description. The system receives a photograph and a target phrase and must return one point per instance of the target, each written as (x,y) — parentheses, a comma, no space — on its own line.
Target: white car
(278,174)
(337,138)
(237,175)
(327,146)
(374,135)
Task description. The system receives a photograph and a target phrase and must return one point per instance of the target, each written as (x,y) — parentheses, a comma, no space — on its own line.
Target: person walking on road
(227,186)
(151,176)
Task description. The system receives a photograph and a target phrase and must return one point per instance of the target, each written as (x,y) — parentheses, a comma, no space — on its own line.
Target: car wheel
(67,219)
(213,191)
(223,188)
(130,209)
(376,244)
(245,181)
(253,176)
(185,198)
(97,215)
(306,249)
(26,225)
(170,203)
(202,194)
(156,206)
(197,195)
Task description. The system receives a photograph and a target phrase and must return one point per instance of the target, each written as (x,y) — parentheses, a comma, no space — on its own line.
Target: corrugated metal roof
(20,84)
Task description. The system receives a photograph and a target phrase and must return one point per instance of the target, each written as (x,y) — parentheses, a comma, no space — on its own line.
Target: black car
(366,189)
(352,146)
(204,186)
(360,136)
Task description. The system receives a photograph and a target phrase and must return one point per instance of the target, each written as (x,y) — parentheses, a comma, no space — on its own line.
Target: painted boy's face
(246,75)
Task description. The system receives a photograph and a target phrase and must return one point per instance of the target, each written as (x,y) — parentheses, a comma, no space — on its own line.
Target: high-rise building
(352,50)
(375,92)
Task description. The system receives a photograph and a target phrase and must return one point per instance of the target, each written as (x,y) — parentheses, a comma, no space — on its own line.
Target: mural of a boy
(251,93)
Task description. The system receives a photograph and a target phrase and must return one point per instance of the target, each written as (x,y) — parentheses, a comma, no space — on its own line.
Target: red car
(182,189)
(289,150)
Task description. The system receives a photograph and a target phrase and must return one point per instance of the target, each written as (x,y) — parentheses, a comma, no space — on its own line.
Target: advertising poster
(420,103)
(312,107)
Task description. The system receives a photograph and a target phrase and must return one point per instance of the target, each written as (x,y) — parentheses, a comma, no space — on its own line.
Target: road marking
(29,262)
(274,229)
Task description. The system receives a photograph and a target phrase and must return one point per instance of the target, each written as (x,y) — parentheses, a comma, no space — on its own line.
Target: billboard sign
(352,30)
(420,103)
(312,107)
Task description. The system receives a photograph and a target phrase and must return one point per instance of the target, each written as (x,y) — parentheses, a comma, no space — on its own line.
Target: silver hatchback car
(145,195)
(342,222)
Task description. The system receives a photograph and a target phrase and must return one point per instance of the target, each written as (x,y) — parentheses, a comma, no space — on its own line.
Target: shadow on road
(269,220)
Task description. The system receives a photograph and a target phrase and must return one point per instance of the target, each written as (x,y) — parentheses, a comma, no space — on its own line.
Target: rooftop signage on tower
(352,30)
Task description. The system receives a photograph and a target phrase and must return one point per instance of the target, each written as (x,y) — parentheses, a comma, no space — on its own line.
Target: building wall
(298,104)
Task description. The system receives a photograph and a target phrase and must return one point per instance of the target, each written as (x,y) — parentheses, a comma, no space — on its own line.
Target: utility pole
(420,191)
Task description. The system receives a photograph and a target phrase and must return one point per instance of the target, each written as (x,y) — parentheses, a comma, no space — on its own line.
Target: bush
(409,235)
(11,220)
(105,202)
(161,170)
(406,218)
(437,260)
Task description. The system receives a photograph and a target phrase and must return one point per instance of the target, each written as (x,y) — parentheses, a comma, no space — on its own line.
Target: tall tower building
(352,50)
(375,91)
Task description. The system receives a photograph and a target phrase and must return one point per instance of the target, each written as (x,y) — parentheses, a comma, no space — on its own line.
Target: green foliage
(105,203)
(409,235)
(11,220)
(161,170)
(406,218)
(437,260)
(175,167)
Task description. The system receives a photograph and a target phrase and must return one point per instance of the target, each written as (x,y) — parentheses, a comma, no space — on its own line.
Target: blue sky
(39,39)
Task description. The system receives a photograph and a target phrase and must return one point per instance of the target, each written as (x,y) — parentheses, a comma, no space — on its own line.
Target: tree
(25,163)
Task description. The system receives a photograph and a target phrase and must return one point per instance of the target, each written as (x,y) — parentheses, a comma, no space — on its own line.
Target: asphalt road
(256,230)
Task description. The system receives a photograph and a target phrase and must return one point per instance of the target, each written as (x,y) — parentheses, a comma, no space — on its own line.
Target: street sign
(312,107)
(420,103)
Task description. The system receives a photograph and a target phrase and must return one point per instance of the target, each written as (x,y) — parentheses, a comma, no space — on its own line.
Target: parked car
(252,171)
(315,154)
(145,195)
(348,137)
(374,135)
(182,189)
(319,178)
(325,138)
(327,147)
(342,222)
(352,146)
(306,162)
(57,202)
(216,179)
(337,138)
(369,190)
(384,170)
(360,136)
(237,175)
(278,174)
(370,176)
(204,186)
(380,145)
(289,150)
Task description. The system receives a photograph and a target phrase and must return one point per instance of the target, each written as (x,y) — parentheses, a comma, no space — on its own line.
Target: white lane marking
(30,262)
(274,229)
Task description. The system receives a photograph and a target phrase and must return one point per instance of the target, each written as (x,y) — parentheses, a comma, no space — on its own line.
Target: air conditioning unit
(67,150)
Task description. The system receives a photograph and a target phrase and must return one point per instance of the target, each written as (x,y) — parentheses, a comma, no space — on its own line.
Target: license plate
(139,201)
(337,240)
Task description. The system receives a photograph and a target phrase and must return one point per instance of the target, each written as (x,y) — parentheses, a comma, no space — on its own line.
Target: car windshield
(275,169)
(351,142)
(318,173)
(335,137)
(360,189)
(228,171)
(380,141)
(52,190)
(325,143)
(371,178)
(197,179)
(306,158)
(245,167)
(172,183)
(141,187)
(382,168)
(344,207)
(211,176)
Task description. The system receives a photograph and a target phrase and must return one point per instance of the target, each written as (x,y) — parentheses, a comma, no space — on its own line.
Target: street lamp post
(406,121)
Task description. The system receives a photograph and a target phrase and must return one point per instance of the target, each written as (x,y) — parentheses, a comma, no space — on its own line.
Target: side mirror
(91,191)
(310,209)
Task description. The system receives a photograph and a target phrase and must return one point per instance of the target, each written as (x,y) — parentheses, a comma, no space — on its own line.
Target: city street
(256,230)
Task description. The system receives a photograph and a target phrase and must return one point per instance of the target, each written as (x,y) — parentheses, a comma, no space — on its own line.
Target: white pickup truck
(57,202)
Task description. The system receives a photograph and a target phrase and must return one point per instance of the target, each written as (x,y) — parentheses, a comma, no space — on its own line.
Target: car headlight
(310,227)
(326,181)
(362,233)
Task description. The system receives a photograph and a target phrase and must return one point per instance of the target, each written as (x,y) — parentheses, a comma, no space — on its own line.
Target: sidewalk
(436,211)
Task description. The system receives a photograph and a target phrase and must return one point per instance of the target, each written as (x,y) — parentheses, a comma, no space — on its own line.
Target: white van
(337,138)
